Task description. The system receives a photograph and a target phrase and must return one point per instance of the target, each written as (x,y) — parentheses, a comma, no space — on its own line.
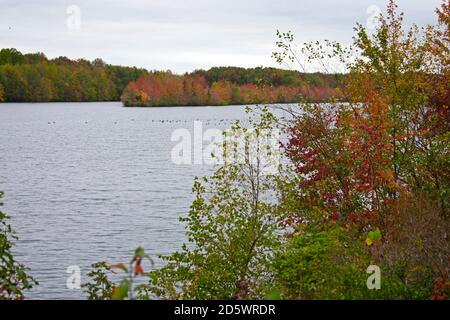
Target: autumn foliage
(32,77)
(167,89)
(360,164)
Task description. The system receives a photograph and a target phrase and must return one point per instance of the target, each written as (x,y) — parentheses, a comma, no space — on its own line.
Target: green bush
(319,264)
(232,230)
(322,264)
(14,279)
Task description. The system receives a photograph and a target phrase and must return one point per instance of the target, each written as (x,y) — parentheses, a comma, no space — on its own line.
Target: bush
(232,230)
(417,250)
(14,279)
(322,264)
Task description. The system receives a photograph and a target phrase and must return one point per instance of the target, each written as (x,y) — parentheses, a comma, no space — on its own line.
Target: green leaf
(139,252)
(373,237)
(120,292)
(274,294)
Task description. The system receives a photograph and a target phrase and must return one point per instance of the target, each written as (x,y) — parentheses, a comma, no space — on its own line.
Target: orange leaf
(138,270)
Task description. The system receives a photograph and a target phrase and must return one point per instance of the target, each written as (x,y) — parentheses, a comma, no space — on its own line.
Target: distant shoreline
(151,107)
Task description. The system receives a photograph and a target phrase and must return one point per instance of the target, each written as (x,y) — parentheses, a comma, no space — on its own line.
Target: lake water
(86,182)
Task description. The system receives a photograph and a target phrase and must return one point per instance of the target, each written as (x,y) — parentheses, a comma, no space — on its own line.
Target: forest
(33,77)
(230,86)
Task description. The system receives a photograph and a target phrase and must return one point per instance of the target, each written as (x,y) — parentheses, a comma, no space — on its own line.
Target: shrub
(322,264)
(14,279)
(232,230)
(417,249)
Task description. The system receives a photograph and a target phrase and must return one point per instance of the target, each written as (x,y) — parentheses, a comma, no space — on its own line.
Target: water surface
(86,182)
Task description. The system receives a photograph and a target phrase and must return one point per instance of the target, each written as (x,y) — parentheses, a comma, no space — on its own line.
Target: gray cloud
(184,35)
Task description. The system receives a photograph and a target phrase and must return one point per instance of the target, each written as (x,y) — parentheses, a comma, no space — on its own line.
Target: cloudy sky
(184,35)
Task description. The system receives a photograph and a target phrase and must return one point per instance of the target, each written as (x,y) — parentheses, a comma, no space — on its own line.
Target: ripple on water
(90,182)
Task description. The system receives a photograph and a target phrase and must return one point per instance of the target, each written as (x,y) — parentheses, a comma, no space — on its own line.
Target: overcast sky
(184,35)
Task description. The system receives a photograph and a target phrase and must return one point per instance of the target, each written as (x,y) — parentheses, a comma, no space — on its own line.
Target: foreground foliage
(102,287)
(232,228)
(379,164)
(14,279)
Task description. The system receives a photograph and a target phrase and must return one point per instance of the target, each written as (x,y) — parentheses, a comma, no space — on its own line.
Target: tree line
(167,89)
(35,78)
(270,77)
(32,77)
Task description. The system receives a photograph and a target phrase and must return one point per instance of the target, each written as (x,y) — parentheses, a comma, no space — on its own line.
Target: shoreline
(151,107)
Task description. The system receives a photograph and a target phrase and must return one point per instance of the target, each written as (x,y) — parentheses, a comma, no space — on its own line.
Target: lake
(86,182)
